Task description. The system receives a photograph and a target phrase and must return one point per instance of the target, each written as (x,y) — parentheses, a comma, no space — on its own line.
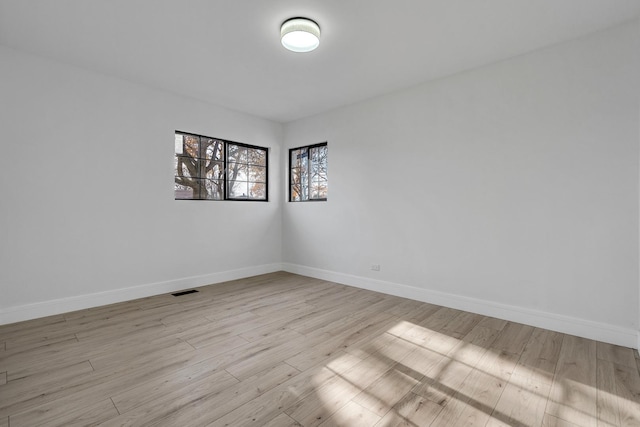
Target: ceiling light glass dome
(300,35)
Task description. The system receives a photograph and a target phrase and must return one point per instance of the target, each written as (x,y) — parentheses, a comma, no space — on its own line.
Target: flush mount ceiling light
(300,34)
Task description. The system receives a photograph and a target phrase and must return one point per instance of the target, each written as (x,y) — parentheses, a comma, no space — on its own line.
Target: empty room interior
(320,213)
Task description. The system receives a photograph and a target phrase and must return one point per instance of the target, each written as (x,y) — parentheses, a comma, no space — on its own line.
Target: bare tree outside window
(214,169)
(308,179)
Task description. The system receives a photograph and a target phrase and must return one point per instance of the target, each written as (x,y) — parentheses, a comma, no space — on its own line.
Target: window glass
(308,179)
(205,167)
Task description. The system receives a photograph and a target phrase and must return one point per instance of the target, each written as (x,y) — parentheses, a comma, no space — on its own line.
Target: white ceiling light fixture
(300,34)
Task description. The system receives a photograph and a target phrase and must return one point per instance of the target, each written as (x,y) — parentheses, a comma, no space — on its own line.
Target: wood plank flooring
(287,350)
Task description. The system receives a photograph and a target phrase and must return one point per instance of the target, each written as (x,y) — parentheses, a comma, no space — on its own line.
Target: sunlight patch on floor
(414,376)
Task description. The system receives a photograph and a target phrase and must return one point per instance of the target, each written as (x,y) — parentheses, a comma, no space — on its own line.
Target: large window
(214,169)
(308,173)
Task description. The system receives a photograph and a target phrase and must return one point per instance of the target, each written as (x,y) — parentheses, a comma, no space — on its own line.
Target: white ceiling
(228,52)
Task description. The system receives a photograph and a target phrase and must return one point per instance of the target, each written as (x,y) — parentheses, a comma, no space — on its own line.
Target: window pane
(237,153)
(179,143)
(322,152)
(214,149)
(238,189)
(294,158)
(304,182)
(313,153)
(187,188)
(182,191)
(318,161)
(304,189)
(257,174)
(258,191)
(191,145)
(236,171)
(186,166)
(214,189)
(215,170)
(257,157)
(295,184)
(205,143)
(295,175)
(299,158)
(318,190)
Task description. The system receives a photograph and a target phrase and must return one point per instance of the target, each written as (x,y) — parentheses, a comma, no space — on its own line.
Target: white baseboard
(65,305)
(570,325)
(556,322)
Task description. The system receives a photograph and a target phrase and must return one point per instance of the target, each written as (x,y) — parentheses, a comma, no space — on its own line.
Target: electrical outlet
(375,267)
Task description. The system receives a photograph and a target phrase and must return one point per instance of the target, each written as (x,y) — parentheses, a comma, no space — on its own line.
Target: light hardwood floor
(287,350)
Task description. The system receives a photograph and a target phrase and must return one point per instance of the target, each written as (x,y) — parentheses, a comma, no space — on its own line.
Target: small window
(308,173)
(214,169)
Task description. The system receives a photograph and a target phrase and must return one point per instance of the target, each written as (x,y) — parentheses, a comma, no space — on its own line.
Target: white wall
(509,190)
(87,211)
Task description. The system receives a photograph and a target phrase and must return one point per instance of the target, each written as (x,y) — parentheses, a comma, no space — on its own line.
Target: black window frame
(308,147)
(225,161)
